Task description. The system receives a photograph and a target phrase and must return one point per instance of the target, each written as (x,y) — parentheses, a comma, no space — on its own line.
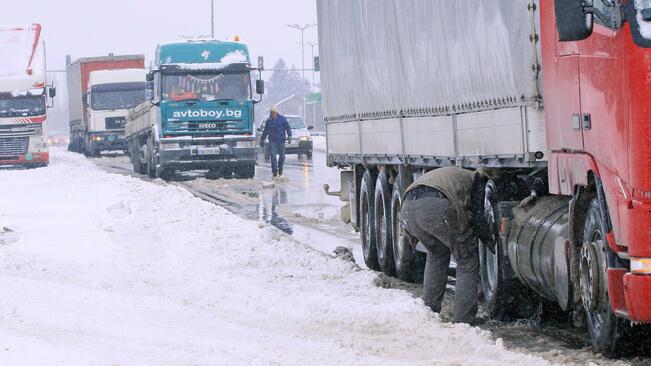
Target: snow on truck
(200,115)
(551,96)
(101,92)
(23,97)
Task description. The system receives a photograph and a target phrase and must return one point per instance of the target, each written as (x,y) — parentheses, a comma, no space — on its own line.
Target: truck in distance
(566,215)
(101,91)
(23,97)
(200,115)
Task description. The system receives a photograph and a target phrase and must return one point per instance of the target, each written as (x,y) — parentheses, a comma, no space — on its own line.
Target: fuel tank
(538,247)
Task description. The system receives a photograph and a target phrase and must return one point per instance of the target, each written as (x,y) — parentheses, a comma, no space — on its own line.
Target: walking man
(278,130)
(437,211)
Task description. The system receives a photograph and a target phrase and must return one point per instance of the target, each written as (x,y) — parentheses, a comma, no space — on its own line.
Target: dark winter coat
(277,129)
(456,184)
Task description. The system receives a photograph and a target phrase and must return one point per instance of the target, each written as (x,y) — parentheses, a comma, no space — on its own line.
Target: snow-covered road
(106,269)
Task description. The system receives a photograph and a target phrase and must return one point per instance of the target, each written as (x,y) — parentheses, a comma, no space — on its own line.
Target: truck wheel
(151,159)
(166,174)
(139,157)
(309,155)
(409,263)
(383,227)
(367,216)
(504,299)
(607,331)
(245,171)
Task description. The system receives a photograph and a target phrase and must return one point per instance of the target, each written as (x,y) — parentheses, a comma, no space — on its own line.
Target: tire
(309,155)
(139,167)
(504,298)
(166,174)
(245,171)
(383,227)
(367,220)
(409,264)
(151,159)
(608,333)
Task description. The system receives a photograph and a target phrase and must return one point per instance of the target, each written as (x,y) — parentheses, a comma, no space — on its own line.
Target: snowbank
(101,269)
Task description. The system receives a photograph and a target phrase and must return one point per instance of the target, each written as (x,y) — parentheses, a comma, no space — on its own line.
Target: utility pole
(302,29)
(212,18)
(312,45)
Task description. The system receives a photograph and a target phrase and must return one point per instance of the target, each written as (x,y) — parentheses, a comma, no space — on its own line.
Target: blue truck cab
(200,111)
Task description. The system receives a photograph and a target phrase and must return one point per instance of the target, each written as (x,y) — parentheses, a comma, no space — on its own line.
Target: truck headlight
(641,265)
(245,144)
(97,138)
(306,138)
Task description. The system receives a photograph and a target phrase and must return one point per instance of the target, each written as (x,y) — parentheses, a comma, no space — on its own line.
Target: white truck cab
(111,94)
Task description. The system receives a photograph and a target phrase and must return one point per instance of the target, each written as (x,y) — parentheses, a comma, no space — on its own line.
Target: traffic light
(317,67)
(261,63)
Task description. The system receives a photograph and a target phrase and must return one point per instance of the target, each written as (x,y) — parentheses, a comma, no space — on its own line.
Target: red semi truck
(552,97)
(24,96)
(98,112)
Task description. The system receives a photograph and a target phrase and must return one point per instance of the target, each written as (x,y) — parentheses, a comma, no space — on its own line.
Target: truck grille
(115,123)
(14,146)
(204,126)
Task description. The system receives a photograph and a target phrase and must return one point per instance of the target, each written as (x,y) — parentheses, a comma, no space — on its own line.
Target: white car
(301,142)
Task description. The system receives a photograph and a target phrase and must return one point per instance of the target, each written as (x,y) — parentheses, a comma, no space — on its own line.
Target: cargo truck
(23,97)
(200,114)
(551,97)
(101,91)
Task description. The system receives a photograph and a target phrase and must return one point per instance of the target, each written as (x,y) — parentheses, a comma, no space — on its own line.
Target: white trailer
(101,92)
(415,85)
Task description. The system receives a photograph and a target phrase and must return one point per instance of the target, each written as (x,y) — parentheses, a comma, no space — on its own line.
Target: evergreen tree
(285,82)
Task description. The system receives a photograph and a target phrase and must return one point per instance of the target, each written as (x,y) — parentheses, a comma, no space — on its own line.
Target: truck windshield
(21,106)
(295,123)
(206,87)
(117,96)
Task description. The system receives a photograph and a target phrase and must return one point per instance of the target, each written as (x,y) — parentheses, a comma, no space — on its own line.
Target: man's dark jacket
(277,129)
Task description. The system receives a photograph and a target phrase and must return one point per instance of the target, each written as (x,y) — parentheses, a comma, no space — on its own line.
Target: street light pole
(302,29)
(312,44)
(212,18)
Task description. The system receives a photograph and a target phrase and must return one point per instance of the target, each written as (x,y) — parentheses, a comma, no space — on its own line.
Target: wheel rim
(595,299)
(398,235)
(490,263)
(381,229)
(366,227)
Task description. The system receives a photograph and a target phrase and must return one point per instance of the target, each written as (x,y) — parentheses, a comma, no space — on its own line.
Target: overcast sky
(85,28)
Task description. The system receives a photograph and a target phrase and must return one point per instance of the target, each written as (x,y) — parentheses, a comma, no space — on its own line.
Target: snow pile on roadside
(110,270)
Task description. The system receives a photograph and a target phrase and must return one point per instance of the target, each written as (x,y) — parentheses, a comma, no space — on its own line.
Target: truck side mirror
(310,127)
(52,92)
(574,21)
(149,77)
(259,86)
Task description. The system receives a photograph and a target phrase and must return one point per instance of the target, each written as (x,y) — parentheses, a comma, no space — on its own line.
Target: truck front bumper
(27,160)
(190,158)
(110,141)
(637,290)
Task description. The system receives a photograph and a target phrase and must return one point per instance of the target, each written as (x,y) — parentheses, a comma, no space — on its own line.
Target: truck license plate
(208,151)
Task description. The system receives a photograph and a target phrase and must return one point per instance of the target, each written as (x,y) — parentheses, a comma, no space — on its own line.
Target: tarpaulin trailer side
(432,82)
